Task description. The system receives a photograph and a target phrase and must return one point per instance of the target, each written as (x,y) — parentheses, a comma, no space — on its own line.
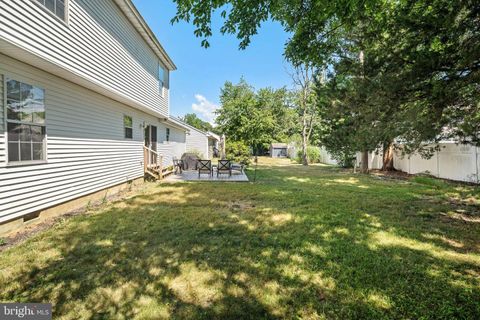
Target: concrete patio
(190,175)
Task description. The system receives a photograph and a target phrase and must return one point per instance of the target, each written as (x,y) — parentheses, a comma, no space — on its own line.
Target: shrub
(238,151)
(196,153)
(344,159)
(313,154)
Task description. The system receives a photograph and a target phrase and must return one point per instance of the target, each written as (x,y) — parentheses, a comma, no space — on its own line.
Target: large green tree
(417,81)
(254,117)
(412,67)
(278,104)
(193,120)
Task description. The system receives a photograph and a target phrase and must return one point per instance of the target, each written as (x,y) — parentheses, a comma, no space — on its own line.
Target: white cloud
(206,109)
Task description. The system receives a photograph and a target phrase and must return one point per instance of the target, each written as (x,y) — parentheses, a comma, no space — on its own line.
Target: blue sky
(202,72)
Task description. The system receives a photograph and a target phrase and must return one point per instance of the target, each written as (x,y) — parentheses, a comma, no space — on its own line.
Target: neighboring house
(84,87)
(197,142)
(213,145)
(278,150)
(205,143)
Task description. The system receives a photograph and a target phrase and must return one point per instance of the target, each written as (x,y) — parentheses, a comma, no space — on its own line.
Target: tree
(421,60)
(240,119)
(278,104)
(256,118)
(193,120)
(304,19)
(391,96)
(304,100)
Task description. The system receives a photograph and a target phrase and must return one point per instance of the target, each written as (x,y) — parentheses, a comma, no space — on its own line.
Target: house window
(167,137)
(128,126)
(57,7)
(161,79)
(25,122)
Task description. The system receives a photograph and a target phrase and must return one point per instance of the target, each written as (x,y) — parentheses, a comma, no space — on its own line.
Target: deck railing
(152,162)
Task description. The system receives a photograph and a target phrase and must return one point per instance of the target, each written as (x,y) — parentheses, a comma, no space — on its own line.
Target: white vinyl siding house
(86,147)
(197,141)
(98,44)
(175,147)
(56,7)
(3,158)
(95,68)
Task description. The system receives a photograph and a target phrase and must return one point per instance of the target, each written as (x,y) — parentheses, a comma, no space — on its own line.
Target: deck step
(153,174)
(167,172)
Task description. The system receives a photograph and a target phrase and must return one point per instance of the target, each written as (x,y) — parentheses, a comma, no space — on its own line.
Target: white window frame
(161,82)
(6,122)
(125,127)
(52,13)
(167,134)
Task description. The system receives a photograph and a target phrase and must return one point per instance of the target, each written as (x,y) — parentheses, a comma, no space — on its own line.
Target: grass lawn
(306,243)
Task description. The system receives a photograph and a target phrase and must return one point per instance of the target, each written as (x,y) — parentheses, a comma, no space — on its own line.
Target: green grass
(300,243)
(430,181)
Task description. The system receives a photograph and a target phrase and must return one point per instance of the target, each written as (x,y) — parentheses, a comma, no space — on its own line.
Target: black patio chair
(204,166)
(177,165)
(224,166)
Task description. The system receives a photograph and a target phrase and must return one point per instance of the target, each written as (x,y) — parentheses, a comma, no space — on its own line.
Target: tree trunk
(304,142)
(388,157)
(223,155)
(364,162)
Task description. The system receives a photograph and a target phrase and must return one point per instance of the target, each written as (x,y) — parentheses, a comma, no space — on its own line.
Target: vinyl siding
(197,142)
(86,148)
(2,123)
(99,44)
(176,147)
(2,149)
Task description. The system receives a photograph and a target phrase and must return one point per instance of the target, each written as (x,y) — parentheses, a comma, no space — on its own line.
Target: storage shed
(278,150)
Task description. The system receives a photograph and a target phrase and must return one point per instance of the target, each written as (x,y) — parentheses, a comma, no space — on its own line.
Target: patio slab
(193,176)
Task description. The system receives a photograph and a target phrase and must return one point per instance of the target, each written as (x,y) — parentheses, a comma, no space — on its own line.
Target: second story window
(161,79)
(57,7)
(167,136)
(25,122)
(128,126)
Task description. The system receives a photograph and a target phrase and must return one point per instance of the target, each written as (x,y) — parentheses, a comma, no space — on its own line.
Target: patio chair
(238,167)
(204,166)
(224,166)
(177,165)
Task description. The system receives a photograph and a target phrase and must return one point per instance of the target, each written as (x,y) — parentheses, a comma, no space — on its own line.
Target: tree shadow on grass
(281,248)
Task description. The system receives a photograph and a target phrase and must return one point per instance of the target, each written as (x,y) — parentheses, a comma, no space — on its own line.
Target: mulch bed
(394,174)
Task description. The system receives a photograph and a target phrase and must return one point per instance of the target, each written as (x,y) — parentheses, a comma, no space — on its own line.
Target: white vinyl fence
(326,157)
(453,161)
